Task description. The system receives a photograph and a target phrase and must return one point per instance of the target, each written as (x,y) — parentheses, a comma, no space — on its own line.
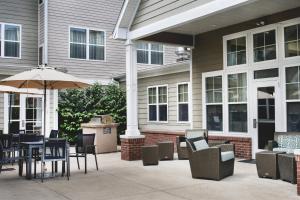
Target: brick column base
(297,157)
(131,148)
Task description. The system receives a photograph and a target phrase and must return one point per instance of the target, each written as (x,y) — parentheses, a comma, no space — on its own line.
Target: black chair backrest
(1,132)
(55,149)
(86,140)
(6,140)
(54,134)
(31,138)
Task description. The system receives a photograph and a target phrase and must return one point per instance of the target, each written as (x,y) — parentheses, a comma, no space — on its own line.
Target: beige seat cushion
(227,155)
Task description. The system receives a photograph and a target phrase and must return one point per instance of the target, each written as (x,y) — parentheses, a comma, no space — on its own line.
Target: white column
(132,130)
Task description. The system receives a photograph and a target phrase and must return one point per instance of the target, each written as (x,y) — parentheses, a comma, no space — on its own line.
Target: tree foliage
(79,106)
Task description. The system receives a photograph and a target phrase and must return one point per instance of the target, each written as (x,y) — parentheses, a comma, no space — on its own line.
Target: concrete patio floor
(124,180)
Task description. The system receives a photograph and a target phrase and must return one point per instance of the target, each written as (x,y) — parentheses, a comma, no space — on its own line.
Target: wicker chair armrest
(272,144)
(226,147)
(209,153)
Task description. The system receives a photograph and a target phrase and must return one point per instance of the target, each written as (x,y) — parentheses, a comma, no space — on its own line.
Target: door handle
(254,123)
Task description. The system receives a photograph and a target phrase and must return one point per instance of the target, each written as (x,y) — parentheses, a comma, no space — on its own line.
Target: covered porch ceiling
(247,12)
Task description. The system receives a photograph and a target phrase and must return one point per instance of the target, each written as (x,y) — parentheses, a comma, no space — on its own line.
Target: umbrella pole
(45,90)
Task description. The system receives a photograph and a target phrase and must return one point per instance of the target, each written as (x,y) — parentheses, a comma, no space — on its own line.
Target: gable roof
(125,19)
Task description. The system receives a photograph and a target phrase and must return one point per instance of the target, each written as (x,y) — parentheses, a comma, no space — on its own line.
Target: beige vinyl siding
(171,80)
(41,23)
(151,11)
(99,15)
(24,13)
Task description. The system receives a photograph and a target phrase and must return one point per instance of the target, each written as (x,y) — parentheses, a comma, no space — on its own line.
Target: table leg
(28,163)
(20,163)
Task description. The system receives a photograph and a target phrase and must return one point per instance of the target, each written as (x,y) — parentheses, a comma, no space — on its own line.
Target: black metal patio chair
(7,150)
(55,150)
(85,145)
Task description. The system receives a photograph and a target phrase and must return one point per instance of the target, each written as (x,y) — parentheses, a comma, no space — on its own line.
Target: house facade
(72,36)
(244,76)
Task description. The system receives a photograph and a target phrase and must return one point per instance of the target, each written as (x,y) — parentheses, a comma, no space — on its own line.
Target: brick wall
(131,148)
(243,146)
(297,157)
(154,137)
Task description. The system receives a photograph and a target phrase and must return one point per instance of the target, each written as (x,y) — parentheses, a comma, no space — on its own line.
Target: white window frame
(158,104)
(87,43)
(2,39)
(205,104)
(148,50)
(186,102)
(231,37)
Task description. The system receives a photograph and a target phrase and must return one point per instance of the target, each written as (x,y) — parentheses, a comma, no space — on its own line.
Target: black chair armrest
(272,144)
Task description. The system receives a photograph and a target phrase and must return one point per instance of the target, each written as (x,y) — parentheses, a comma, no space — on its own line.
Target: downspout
(46,32)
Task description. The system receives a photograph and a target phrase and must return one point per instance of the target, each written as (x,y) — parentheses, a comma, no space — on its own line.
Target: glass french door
(265,104)
(26,113)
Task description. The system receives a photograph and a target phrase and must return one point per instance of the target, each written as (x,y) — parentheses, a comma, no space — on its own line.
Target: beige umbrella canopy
(44,78)
(9,89)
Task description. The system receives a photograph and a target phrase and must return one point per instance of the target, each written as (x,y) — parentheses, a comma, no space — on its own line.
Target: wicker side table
(267,164)
(166,150)
(287,167)
(150,155)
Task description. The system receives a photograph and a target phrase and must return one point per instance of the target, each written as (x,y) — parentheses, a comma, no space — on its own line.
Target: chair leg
(85,163)
(34,168)
(77,161)
(96,161)
(42,171)
(0,168)
(63,168)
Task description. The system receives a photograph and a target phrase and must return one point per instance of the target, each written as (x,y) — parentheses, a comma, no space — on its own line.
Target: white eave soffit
(185,17)
(126,18)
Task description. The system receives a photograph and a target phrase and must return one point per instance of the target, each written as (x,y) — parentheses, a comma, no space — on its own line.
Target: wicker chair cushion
(182,144)
(200,144)
(227,155)
(286,150)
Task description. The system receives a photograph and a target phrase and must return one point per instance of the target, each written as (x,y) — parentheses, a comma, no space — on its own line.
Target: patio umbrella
(11,90)
(44,78)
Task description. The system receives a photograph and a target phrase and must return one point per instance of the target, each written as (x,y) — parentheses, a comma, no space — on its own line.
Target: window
(10,40)
(14,113)
(264,45)
(87,44)
(293,98)
(96,45)
(158,103)
(183,102)
(148,53)
(292,40)
(214,111)
(236,51)
(237,100)
(266,73)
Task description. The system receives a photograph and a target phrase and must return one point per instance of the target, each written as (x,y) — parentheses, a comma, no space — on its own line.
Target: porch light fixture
(183,53)
(260,23)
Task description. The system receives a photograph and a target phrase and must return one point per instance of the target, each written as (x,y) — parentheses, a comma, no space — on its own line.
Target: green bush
(79,106)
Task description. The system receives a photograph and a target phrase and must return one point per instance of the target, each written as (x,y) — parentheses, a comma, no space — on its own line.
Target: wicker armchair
(211,163)
(189,134)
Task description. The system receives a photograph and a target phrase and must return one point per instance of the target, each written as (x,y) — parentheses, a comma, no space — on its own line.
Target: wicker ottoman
(166,150)
(267,164)
(150,155)
(287,167)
